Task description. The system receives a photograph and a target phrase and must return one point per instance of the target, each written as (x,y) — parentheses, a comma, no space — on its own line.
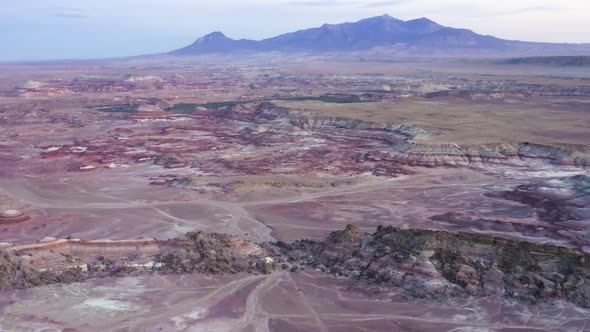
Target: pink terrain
(149,195)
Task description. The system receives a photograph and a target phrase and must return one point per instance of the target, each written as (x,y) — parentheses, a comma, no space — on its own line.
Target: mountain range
(382,31)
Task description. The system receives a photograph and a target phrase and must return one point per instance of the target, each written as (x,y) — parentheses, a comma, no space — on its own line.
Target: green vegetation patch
(187,108)
(574,61)
(182,108)
(116,108)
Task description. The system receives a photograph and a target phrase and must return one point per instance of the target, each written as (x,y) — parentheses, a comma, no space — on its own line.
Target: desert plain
(214,193)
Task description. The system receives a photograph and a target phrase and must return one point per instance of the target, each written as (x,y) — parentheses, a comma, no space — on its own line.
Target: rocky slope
(558,199)
(265,139)
(440,265)
(508,154)
(417,264)
(62,261)
(399,136)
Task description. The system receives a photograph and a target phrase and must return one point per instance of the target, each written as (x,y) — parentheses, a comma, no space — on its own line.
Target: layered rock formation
(399,136)
(150,113)
(12,217)
(519,155)
(68,260)
(481,95)
(558,199)
(440,265)
(417,264)
(220,142)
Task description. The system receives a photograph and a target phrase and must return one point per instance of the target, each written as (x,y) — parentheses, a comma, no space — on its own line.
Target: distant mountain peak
(417,35)
(215,42)
(423,25)
(422,19)
(213,36)
(216,34)
(382,18)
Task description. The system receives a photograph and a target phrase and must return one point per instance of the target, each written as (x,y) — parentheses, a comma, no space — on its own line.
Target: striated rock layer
(441,265)
(59,261)
(523,155)
(264,139)
(557,199)
(12,217)
(399,136)
(416,264)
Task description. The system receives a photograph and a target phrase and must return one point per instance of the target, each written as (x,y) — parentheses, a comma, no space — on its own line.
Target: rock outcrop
(68,260)
(519,155)
(441,265)
(12,217)
(418,264)
(399,137)
(555,200)
(481,95)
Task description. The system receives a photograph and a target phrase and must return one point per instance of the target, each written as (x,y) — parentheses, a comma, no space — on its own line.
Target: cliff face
(521,155)
(63,261)
(57,253)
(399,138)
(287,121)
(15,272)
(440,265)
(403,150)
(416,264)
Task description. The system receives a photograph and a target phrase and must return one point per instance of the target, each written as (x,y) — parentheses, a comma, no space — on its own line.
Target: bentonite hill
(342,178)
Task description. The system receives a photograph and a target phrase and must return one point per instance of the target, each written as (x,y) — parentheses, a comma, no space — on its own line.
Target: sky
(75,29)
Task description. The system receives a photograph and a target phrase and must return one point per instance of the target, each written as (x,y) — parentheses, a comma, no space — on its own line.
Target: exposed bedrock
(221,142)
(555,200)
(441,265)
(54,253)
(289,122)
(399,136)
(417,264)
(351,127)
(517,92)
(507,154)
(61,261)
(12,217)
(481,95)
(459,221)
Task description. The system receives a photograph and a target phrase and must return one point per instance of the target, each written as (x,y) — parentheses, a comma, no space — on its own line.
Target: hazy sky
(52,29)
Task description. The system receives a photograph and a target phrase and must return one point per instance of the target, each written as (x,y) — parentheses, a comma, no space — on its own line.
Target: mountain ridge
(380,31)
